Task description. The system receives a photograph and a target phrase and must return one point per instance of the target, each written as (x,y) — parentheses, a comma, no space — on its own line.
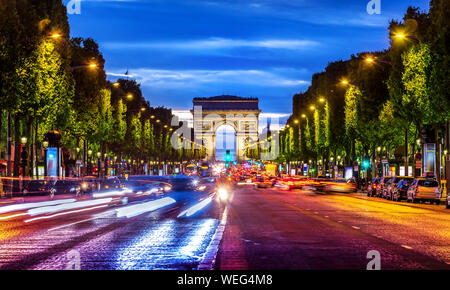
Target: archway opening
(225,140)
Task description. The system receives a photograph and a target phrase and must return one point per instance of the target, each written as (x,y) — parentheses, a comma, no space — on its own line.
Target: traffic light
(366,162)
(228,156)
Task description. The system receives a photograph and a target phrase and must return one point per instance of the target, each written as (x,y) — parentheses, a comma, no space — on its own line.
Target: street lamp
(303,116)
(312,108)
(91,65)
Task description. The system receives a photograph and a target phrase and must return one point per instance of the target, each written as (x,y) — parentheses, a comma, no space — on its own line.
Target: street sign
(384,161)
(418,164)
(418,156)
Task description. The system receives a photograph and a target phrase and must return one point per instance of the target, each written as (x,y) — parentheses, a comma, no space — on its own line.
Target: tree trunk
(406,152)
(16,170)
(437,154)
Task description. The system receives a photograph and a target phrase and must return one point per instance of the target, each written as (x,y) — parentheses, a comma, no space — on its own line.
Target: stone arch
(212,113)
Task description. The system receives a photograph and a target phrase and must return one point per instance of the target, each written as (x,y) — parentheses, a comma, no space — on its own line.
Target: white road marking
(209,257)
(82,221)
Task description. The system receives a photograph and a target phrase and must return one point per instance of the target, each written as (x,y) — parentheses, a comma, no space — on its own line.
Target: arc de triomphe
(240,113)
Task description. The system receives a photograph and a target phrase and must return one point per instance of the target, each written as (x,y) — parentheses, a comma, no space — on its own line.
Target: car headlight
(223,194)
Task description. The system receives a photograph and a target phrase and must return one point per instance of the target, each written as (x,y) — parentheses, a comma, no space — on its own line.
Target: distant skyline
(181,49)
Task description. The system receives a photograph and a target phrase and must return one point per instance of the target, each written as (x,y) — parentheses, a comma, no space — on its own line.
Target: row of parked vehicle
(397,188)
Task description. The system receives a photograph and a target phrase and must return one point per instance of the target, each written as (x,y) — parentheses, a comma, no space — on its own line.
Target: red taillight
(374,186)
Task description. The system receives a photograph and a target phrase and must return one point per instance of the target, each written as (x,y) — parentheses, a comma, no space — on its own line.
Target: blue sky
(181,49)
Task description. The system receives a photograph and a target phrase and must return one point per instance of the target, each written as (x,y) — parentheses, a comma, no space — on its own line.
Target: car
(39,187)
(381,188)
(89,184)
(207,184)
(284,183)
(67,187)
(399,190)
(372,188)
(339,185)
(183,183)
(424,189)
(110,183)
(319,183)
(265,182)
(392,184)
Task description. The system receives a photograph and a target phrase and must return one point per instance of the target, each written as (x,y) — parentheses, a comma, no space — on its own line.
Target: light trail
(138,209)
(195,208)
(62,207)
(23,206)
(65,213)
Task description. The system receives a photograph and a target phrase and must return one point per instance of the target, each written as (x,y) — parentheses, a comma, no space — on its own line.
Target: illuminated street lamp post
(23,155)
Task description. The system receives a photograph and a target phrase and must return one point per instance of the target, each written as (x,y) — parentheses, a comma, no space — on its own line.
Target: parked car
(382,186)
(372,187)
(39,187)
(424,189)
(392,185)
(67,187)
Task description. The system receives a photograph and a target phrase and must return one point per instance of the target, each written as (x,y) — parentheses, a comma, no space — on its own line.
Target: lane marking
(209,257)
(82,221)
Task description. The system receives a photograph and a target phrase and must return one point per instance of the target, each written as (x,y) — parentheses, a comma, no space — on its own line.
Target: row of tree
(50,81)
(377,104)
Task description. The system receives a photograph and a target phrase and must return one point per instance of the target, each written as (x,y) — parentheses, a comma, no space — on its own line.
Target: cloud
(199,78)
(215,43)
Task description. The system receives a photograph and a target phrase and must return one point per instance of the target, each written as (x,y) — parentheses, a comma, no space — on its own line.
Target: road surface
(258,229)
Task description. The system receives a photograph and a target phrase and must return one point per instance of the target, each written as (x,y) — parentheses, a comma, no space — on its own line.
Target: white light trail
(74,205)
(23,206)
(193,209)
(64,213)
(137,209)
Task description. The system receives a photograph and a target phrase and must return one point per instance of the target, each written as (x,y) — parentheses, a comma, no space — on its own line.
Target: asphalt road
(274,229)
(99,238)
(258,229)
